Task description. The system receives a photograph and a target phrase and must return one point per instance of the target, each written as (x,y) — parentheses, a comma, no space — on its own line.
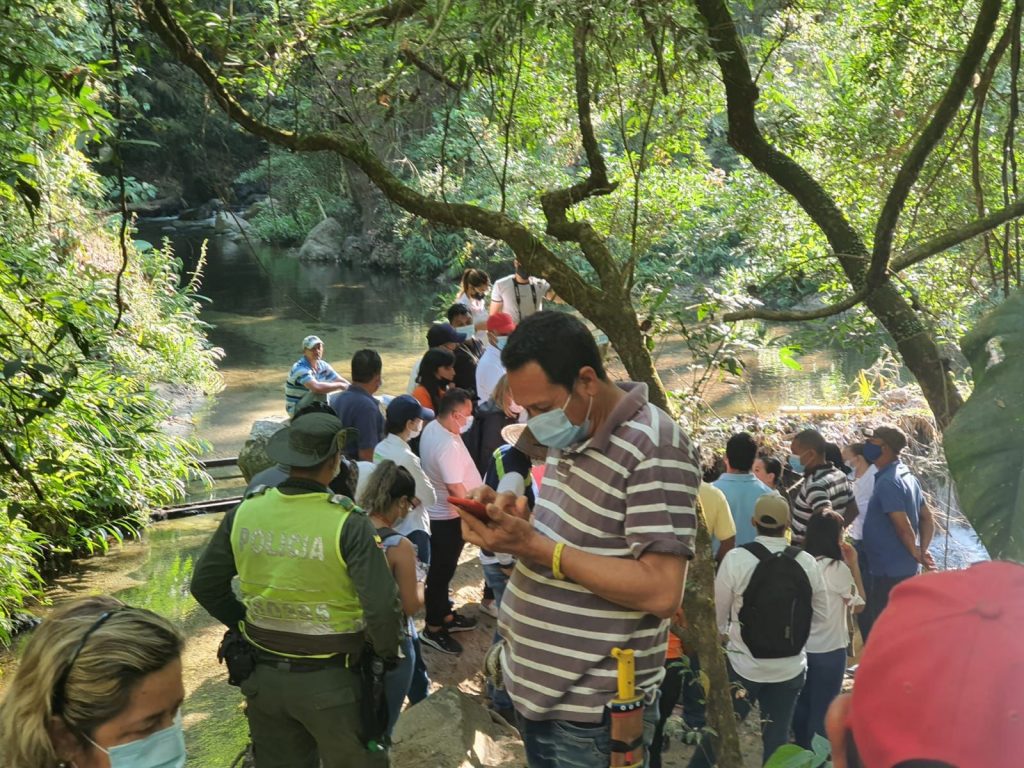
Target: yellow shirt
(716,512)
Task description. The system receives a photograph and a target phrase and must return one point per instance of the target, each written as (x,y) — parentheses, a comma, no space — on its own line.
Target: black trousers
(445,549)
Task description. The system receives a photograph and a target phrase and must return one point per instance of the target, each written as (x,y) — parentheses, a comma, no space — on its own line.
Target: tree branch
(390,14)
(952,237)
(521,240)
(407,54)
(556,203)
(938,244)
(933,132)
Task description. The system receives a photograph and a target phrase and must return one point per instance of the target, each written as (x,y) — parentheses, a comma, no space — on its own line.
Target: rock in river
(324,243)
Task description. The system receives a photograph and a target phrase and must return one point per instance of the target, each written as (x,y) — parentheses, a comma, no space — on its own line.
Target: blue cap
(406,407)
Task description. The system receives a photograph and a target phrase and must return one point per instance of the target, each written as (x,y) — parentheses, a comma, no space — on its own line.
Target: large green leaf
(985,442)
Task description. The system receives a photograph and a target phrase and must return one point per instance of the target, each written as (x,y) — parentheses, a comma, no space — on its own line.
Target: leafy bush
(305,188)
(81,438)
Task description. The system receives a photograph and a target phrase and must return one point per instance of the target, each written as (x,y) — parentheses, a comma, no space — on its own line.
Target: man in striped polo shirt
(602,563)
(824,487)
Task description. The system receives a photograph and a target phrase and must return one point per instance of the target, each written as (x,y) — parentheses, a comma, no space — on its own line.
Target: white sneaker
(491,609)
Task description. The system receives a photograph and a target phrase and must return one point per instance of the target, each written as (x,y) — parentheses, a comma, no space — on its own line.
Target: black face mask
(479,296)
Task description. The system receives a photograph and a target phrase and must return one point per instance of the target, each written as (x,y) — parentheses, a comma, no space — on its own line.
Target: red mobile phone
(474,508)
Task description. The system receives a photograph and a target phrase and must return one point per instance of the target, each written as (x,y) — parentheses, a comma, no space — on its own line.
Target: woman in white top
(475,287)
(863,484)
(388,497)
(826,646)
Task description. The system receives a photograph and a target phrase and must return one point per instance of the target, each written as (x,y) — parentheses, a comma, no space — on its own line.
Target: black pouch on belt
(238,654)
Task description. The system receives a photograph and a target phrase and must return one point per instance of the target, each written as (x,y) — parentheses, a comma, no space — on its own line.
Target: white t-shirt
(393,448)
(520,300)
(479,309)
(733,576)
(489,371)
(446,461)
(840,593)
(862,488)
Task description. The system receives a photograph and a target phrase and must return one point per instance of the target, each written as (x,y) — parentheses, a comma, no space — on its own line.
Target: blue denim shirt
(896,490)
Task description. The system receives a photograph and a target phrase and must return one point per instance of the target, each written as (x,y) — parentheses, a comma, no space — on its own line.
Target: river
(260,306)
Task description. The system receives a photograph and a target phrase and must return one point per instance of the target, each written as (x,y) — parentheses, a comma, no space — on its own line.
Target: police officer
(315,589)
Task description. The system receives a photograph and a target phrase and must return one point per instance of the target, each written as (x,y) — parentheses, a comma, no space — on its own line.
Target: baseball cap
(894,437)
(501,323)
(443,333)
(771,510)
(307,441)
(311,341)
(405,408)
(942,673)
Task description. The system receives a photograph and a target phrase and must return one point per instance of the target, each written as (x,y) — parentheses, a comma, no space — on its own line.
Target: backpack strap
(759,550)
(791,552)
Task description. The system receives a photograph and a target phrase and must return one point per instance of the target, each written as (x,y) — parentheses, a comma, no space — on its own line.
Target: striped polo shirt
(822,485)
(300,373)
(626,491)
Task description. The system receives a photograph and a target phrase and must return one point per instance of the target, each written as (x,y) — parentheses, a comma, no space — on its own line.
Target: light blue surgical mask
(501,341)
(466,331)
(554,429)
(796,464)
(163,749)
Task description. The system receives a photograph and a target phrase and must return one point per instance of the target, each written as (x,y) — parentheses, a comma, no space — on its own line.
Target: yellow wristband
(556,561)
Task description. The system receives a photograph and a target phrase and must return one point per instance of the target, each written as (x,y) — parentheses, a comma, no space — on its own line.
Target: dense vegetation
(85,337)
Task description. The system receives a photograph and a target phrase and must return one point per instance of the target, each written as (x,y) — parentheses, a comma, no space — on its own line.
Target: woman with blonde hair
(387,498)
(99,684)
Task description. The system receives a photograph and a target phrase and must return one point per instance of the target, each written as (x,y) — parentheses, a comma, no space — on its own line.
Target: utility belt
(345,660)
(241,657)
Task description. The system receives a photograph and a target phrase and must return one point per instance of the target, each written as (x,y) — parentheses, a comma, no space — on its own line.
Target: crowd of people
(587,523)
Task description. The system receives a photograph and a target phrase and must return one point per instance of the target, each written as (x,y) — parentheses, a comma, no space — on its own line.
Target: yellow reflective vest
(292,575)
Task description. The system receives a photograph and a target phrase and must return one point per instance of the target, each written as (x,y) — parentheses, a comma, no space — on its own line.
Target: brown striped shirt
(627,490)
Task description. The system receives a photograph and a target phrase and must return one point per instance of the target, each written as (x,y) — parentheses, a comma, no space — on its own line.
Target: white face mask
(415,431)
(468,425)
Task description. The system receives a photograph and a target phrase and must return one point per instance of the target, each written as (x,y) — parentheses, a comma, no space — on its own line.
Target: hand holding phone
(474,508)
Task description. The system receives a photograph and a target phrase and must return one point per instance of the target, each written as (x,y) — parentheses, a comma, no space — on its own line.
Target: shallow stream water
(260,307)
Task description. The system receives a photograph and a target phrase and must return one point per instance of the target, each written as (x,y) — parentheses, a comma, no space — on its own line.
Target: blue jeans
(824,682)
(863,623)
(776,701)
(419,686)
(421,540)
(396,683)
(565,744)
(497,581)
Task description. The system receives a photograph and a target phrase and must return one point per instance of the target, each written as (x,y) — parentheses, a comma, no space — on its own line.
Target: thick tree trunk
(701,636)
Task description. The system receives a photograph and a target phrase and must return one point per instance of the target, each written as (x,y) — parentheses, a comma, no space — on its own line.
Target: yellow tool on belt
(627,716)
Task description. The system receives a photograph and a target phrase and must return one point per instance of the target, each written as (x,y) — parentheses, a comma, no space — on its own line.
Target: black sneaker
(460,623)
(441,641)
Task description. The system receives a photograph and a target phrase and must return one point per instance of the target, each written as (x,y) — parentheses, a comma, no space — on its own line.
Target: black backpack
(775,620)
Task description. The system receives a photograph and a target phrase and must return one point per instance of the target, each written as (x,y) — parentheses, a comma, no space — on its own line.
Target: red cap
(942,676)
(501,323)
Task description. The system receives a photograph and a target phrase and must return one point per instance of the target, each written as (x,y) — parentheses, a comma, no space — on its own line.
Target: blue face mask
(554,429)
(465,331)
(872,452)
(796,464)
(163,749)
(501,342)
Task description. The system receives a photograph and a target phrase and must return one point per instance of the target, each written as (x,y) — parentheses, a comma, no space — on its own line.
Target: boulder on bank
(231,225)
(324,242)
(253,456)
(451,729)
(203,212)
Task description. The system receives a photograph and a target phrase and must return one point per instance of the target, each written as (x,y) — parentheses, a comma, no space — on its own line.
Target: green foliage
(792,756)
(303,190)
(984,444)
(84,448)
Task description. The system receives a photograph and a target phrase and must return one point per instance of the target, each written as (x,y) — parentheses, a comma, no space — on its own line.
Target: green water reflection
(154,573)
